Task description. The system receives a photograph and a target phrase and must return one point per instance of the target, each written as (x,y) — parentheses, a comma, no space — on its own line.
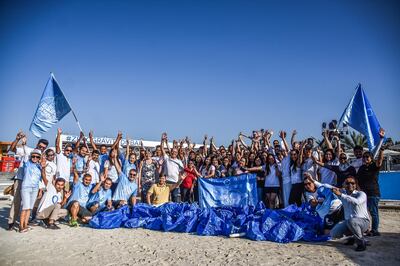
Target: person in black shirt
(367,177)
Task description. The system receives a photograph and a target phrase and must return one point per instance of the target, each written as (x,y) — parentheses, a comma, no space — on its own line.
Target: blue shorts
(28,197)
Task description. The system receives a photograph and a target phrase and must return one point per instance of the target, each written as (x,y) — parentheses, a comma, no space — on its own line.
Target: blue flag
(52,108)
(234,191)
(360,116)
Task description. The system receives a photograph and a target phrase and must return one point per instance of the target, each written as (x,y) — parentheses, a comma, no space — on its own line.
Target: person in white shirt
(273,180)
(51,169)
(356,215)
(93,166)
(358,161)
(50,207)
(23,152)
(172,168)
(63,160)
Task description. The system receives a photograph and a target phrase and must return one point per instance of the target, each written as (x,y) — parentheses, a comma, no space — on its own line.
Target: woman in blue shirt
(34,171)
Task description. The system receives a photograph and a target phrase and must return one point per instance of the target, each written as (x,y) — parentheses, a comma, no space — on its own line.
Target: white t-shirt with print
(51,170)
(50,197)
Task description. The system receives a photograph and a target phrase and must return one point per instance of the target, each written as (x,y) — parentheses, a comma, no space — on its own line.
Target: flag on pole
(52,107)
(360,116)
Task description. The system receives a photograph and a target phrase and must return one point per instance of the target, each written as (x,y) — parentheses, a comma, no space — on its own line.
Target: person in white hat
(33,172)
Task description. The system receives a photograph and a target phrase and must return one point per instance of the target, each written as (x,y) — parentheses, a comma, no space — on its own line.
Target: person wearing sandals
(50,207)
(33,172)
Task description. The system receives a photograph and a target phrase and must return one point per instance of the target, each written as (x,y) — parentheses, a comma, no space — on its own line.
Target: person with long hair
(223,169)
(273,180)
(147,174)
(368,178)
(110,169)
(296,180)
(343,170)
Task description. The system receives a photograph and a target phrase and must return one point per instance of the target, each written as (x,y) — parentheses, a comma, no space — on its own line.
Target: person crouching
(356,216)
(49,209)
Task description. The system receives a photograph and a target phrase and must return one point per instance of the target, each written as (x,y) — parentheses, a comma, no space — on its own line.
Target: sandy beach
(86,246)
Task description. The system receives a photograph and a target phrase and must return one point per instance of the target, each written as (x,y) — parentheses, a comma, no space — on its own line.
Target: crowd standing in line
(83,179)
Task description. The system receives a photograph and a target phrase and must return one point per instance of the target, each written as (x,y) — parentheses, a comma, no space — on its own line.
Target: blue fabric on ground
(110,219)
(255,222)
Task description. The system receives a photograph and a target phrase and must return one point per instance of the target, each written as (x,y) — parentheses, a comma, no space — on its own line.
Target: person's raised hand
(102,177)
(381,133)
(91,134)
(68,194)
(294,132)
(43,161)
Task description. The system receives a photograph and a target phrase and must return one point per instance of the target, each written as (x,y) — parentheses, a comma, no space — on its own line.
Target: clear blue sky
(195,67)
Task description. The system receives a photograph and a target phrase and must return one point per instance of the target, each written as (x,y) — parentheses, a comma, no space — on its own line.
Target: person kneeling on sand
(126,190)
(100,196)
(356,216)
(158,194)
(49,209)
(79,198)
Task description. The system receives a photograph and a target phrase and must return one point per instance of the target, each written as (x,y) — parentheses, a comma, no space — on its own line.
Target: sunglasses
(68,150)
(350,183)
(132,174)
(35,157)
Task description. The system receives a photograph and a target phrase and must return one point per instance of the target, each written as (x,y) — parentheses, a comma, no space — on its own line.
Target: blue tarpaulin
(228,206)
(234,191)
(255,222)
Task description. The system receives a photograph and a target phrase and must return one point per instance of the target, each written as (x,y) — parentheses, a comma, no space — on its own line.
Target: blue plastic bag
(111,219)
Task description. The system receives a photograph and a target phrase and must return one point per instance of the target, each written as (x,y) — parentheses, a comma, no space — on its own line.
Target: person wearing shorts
(79,198)
(33,172)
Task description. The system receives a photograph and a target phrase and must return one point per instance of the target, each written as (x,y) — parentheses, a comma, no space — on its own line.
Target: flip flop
(23,230)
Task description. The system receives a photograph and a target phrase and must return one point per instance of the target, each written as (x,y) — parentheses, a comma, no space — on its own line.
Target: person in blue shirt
(103,149)
(81,161)
(100,196)
(79,198)
(130,161)
(126,191)
(33,172)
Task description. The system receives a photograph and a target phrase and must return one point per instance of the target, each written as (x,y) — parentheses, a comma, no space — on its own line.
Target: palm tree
(355,139)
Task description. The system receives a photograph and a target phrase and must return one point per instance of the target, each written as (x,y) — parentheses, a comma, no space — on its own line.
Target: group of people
(83,179)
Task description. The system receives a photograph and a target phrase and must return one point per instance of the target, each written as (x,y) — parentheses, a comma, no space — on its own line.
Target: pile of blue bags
(254,222)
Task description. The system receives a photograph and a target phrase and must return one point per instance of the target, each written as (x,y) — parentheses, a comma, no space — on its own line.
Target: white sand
(86,246)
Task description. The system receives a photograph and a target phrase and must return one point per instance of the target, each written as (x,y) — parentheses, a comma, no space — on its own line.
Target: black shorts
(271,190)
(83,212)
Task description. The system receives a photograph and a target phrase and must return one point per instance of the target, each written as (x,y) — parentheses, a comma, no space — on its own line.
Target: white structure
(109,141)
